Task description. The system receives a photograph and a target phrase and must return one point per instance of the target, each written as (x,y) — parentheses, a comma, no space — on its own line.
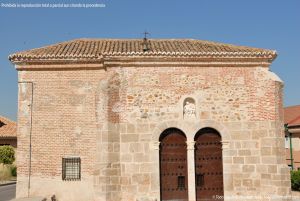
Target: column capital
(190,145)
(225,144)
(155,145)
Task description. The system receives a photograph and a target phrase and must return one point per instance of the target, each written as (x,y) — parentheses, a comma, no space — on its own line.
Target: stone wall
(113,119)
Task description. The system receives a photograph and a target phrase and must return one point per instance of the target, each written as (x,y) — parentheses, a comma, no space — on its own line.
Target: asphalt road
(7,192)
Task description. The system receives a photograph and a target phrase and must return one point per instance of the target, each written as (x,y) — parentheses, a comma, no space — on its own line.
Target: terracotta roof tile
(8,128)
(292,115)
(97,48)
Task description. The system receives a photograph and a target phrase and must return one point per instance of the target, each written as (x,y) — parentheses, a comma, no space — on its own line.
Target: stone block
(262,168)
(126,158)
(229,153)
(129,138)
(227,160)
(238,160)
(249,168)
(269,160)
(124,147)
(240,135)
(141,157)
(244,152)
(230,168)
(247,182)
(141,179)
(125,181)
(266,151)
(250,144)
(272,169)
(143,188)
(258,134)
(114,180)
(146,167)
(130,128)
(266,176)
(135,147)
(205,115)
(145,137)
(132,168)
(113,157)
(252,160)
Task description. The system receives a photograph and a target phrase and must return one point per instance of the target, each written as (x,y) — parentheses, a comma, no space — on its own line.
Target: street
(7,192)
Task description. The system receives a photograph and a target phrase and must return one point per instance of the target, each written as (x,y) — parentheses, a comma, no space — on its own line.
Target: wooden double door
(174,166)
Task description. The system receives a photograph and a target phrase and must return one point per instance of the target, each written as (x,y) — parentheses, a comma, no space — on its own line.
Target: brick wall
(112,119)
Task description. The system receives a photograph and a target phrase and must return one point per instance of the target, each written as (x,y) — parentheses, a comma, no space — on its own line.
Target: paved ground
(296,195)
(7,192)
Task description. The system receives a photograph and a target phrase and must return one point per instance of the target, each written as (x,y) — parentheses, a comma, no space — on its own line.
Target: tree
(295,179)
(7,154)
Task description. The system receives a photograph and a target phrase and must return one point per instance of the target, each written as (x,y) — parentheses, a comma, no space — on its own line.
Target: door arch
(208,165)
(173,165)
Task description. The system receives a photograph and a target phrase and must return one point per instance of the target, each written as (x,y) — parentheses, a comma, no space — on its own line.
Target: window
(200,180)
(181,182)
(71,168)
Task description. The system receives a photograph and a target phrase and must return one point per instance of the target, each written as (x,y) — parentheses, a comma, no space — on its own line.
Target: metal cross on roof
(145,34)
(145,42)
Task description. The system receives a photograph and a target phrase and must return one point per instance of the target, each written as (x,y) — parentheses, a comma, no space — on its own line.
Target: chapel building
(150,120)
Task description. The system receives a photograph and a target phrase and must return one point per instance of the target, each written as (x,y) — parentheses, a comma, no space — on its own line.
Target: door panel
(173,166)
(208,166)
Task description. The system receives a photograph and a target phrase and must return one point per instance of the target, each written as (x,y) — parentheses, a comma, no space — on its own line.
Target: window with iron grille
(200,180)
(181,182)
(71,168)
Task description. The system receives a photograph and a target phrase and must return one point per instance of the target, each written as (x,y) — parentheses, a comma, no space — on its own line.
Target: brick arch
(161,127)
(168,130)
(219,127)
(190,128)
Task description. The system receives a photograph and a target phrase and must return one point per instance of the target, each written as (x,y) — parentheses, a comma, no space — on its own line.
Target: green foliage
(295,179)
(13,171)
(7,154)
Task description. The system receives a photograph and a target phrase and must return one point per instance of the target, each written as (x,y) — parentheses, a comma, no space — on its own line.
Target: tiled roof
(93,49)
(292,115)
(8,128)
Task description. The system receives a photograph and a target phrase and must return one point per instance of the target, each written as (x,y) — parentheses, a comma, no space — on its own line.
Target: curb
(29,199)
(8,183)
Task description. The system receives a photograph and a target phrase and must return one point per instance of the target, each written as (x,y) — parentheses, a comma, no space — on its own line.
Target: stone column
(155,181)
(191,170)
(227,175)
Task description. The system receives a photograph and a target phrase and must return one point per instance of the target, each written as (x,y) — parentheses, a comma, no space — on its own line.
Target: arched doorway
(208,165)
(173,165)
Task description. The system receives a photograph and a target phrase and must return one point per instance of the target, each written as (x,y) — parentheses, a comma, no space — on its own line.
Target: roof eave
(92,59)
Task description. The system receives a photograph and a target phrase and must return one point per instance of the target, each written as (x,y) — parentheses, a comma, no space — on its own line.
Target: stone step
(30,199)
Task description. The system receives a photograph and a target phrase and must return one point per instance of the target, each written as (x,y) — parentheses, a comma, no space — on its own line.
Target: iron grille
(200,180)
(71,168)
(181,182)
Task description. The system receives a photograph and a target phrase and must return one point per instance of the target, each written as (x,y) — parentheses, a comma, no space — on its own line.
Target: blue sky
(271,24)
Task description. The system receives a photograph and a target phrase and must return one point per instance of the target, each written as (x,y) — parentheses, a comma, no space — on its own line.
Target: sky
(270,24)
